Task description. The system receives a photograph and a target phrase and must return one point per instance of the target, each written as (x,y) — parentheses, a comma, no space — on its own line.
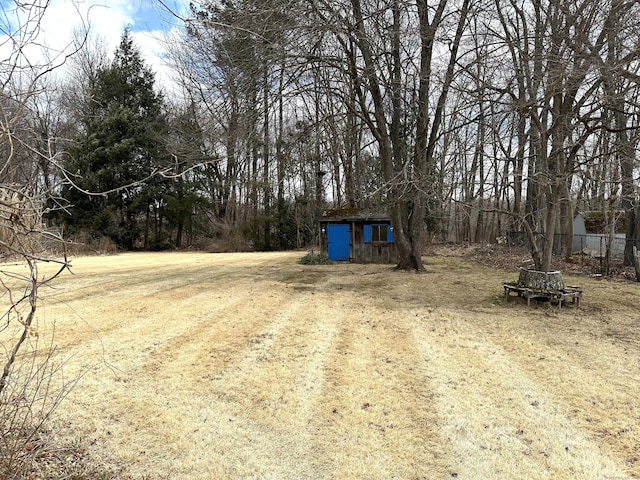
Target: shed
(591,232)
(357,236)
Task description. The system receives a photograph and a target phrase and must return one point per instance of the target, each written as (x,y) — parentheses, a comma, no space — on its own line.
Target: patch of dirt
(514,258)
(199,366)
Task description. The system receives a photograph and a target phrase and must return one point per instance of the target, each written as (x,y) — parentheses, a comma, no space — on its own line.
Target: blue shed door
(339,240)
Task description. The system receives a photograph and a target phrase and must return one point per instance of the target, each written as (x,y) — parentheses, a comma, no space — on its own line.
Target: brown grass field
(204,366)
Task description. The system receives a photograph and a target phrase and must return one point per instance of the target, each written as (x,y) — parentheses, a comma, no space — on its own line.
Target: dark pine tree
(118,153)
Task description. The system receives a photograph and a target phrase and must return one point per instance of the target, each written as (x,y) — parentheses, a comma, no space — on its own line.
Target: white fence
(596,244)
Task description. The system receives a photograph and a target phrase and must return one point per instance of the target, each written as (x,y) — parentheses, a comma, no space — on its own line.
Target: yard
(211,366)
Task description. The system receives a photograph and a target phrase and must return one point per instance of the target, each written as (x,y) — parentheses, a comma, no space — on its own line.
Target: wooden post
(636,262)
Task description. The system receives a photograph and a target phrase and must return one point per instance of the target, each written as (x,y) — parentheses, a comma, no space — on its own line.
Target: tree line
(462,119)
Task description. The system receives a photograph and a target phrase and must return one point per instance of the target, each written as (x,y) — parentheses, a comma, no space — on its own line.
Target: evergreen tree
(118,152)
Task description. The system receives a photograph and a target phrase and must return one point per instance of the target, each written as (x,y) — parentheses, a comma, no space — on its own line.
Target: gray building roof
(353,215)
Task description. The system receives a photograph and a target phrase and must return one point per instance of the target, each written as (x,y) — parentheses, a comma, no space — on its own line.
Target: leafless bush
(85,244)
(32,381)
(228,238)
(31,394)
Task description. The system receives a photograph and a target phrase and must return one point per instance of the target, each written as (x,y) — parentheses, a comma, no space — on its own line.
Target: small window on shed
(379,233)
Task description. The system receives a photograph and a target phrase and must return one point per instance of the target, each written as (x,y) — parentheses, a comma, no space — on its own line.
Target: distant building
(591,232)
(358,236)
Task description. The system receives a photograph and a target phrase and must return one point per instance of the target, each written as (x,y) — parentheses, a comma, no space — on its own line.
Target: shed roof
(353,215)
(598,221)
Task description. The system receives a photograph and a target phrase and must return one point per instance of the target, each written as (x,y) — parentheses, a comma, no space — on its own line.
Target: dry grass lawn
(223,366)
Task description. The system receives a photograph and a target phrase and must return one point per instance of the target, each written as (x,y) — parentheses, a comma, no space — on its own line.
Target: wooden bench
(559,296)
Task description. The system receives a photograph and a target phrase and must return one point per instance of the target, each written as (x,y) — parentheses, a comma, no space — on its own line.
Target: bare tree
(544,92)
(618,63)
(401,102)
(28,393)
(554,93)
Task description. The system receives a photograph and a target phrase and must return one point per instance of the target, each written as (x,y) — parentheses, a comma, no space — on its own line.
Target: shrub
(312,258)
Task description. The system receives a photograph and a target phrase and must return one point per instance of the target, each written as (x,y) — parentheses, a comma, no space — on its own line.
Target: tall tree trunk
(281,166)
(428,132)
(266,158)
(351,157)
(479,153)
(566,219)
(551,219)
(377,124)
(624,152)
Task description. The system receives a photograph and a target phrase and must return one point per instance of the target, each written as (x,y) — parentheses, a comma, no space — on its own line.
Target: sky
(148,20)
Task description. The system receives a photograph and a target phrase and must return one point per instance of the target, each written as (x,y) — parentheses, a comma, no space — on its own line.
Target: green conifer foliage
(118,155)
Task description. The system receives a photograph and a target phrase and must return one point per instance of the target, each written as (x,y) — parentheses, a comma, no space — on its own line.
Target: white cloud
(153,50)
(106,19)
